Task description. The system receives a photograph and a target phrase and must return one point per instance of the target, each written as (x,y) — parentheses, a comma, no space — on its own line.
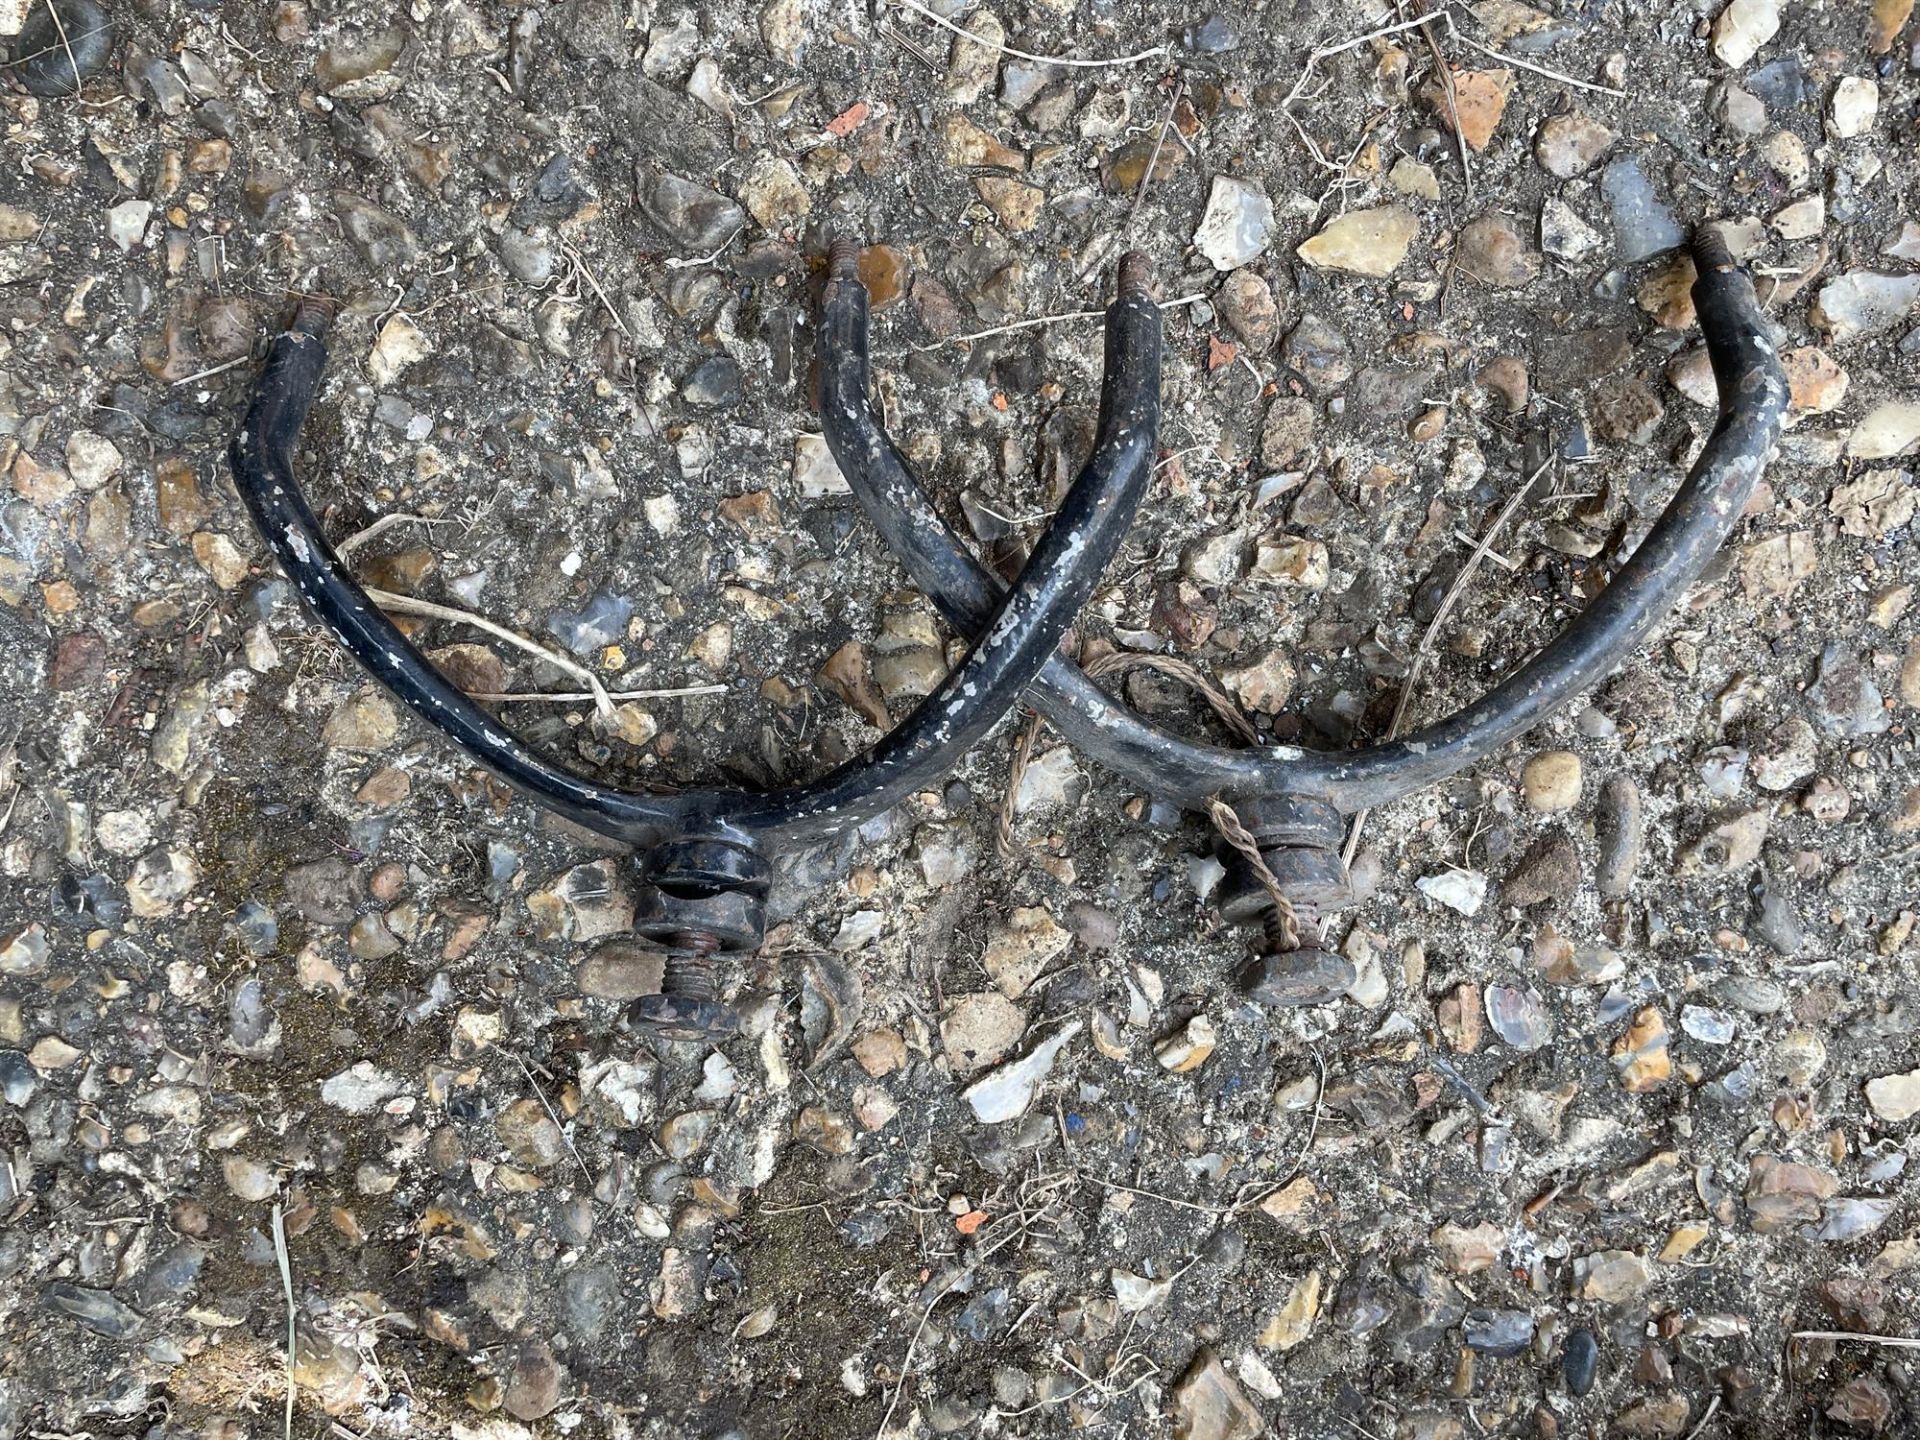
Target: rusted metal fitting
(1299,841)
(703,901)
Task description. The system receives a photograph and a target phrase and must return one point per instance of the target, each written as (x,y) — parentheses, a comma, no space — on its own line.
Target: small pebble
(1710,1027)
(1580,1361)
(1551,781)
(1237,224)
(1363,242)
(714,385)
(1519,1017)
(64,43)
(1643,225)
(1498,1332)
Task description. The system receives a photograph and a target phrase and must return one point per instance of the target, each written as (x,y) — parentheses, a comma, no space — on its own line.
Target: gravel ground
(305,1022)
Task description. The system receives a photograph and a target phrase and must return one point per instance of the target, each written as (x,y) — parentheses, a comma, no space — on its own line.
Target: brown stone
(1781,1194)
(1459,1018)
(1247,302)
(177,496)
(621,970)
(1479,100)
(1773,568)
(966,144)
(1493,251)
(1016,203)
(1568,145)
(1816,381)
(41,486)
(1667,294)
(1641,1056)
(216,554)
(1208,1404)
(366,720)
(1625,410)
(1855,1303)
(1658,1417)
(474,668)
(1550,870)
(1862,1404)
(400,571)
(1469,1249)
(209,157)
(1286,440)
(78,660)
(755,514)
(529,1135)
(845,675)
(1182,612)
(1506,377)
(385,788)
(880,1052)
(533,1388)
(1889,18)
(885,272)
(1122,170)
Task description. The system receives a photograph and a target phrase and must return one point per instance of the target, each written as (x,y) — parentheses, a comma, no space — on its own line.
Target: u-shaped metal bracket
(706,855)
(1293,800)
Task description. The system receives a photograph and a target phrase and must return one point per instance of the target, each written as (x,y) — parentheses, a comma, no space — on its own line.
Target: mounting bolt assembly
(703,901)
(1299,839)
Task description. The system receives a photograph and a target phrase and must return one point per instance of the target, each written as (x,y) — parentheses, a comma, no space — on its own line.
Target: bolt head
(1297,977)
(676,1017)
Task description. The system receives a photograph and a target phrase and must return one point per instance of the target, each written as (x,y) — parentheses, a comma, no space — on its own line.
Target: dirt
(522,365)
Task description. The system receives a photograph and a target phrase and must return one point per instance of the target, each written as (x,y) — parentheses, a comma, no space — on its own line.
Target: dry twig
(569,697)
(1153,159)
(1713,1409)
(1016,772)
(675,262)
(1895,1342)
(1067,60)
(1505,59)
(593,283)
(60,26)
(64,42)
(429,610)
(1445,72)
(1306,1146)
(286,1286)
(210,372)
(1425,648)
(1227,1212)
(906,1361)
(1038,320)
(379,527)
(1219,1212)
(1327,52)
(554,1115)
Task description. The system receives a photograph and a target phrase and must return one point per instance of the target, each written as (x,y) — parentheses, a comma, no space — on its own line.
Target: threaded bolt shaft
(1273,926)
(843,259)
(312,315)
(692,968)
(1135,276)
(1307,933)
(1710,248)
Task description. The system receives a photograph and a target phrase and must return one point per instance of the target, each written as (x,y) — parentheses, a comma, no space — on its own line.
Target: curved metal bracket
(704,907)
(1705,508)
